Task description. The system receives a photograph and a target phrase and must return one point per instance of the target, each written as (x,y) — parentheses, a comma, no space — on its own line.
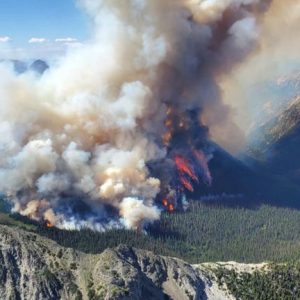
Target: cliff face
(32,267)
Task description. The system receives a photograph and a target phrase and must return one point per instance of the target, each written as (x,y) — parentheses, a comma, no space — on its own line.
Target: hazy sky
(30,26)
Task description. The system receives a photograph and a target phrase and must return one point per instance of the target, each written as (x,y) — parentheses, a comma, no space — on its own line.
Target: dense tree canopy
(202,233)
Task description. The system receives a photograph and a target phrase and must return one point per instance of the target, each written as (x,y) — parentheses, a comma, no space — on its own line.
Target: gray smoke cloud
(75,142)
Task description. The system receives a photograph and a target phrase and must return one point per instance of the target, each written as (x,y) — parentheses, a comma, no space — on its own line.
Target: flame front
(186,139)
(168,205)
(49,224)
(185,168)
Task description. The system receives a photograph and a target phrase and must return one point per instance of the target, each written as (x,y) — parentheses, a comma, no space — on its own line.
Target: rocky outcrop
(33,267)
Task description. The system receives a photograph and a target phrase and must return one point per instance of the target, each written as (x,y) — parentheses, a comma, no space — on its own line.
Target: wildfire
(169,206)
(49,224)
(167,138)
(191,163)
(165,202)
(169,123)
(184,167)
(175,122)
(186,184)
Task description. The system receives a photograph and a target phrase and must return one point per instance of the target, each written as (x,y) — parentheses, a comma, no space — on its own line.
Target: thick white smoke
(85,130)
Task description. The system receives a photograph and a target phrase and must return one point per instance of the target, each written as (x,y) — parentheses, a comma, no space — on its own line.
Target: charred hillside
(236,182)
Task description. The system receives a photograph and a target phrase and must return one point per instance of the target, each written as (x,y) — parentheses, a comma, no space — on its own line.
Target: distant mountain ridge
(280,125)
(270,98)
(38,66)
(278,146)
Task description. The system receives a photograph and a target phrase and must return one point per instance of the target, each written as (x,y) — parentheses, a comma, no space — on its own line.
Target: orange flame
(167,138)
(184,167)
(165,202)
(171,207)
(49,224)
(186,184)
(169,123)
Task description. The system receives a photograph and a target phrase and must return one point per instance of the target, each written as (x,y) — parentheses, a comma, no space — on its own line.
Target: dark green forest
(278,282)
(203,233)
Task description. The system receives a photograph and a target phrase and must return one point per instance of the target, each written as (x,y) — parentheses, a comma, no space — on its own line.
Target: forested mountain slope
(205,232)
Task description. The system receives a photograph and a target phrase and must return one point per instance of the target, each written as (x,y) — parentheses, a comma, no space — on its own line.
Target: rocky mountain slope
(33,267)
(284,123)
(278,147)
(271,97)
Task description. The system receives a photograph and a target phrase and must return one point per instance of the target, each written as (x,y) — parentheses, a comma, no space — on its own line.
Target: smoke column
(76,142)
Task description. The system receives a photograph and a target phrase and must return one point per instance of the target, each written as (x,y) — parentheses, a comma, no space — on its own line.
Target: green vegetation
(6,219)
(203,233)
(279,282)
(74,290)
(48,275)
(210,233)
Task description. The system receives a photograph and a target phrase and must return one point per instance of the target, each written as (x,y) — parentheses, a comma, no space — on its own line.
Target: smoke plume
(278,55)
(81,144)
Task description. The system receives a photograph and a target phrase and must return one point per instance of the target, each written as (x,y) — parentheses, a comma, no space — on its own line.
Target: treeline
(202,233)
(217,233)
(278,282)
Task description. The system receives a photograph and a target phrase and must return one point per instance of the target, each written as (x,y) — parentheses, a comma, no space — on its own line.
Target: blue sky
(47,20)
